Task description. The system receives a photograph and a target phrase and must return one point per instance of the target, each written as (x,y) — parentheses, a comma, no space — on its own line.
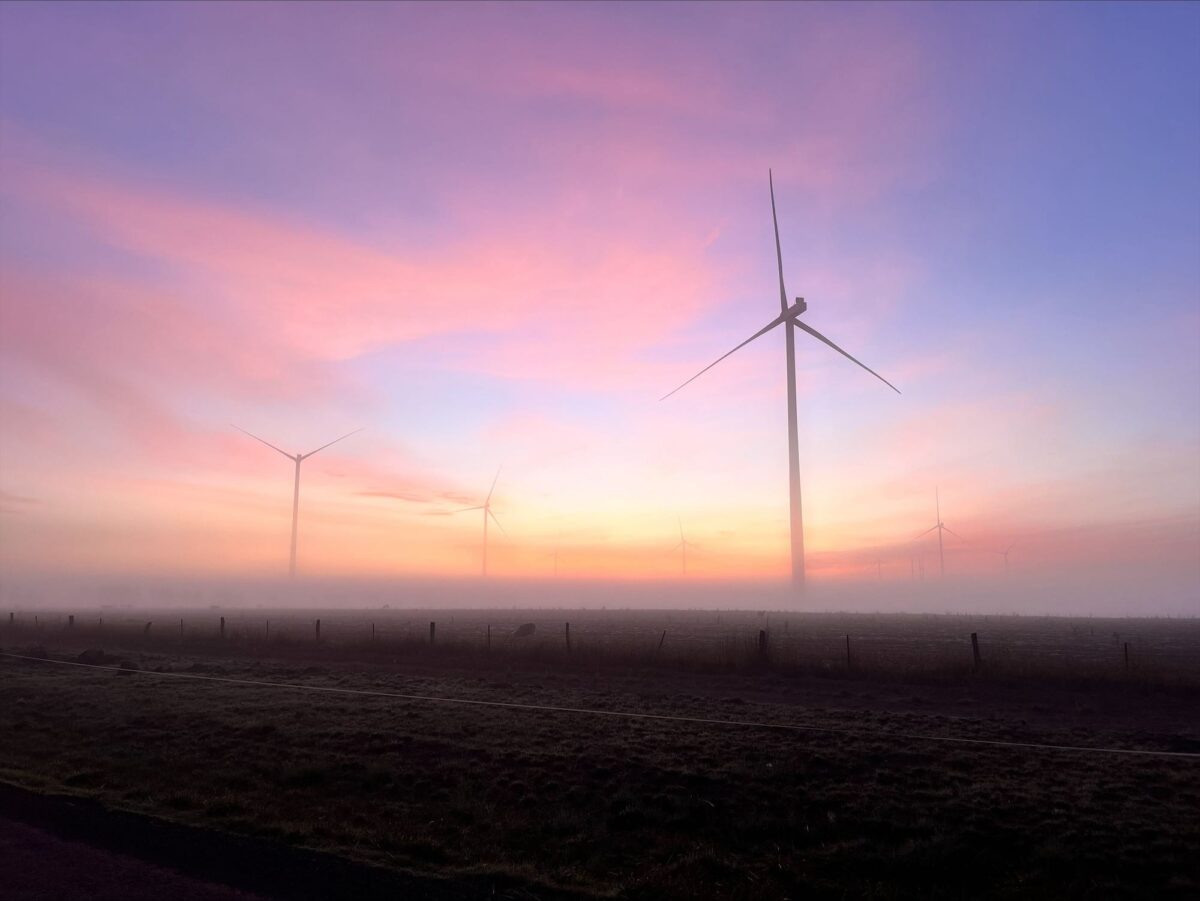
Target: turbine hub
(801,304)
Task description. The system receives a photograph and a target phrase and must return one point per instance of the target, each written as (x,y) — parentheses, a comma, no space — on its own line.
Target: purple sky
(497,234)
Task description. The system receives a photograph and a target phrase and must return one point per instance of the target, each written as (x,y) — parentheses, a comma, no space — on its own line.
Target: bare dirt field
(861,800)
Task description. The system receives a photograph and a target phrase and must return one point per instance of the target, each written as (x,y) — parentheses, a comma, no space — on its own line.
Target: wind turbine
(940,527)
(683,546)
(486,507)
(297,459)
(790,316)
(1004,554)
(554,553)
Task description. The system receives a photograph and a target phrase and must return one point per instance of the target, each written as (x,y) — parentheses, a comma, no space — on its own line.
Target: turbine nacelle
(797,308)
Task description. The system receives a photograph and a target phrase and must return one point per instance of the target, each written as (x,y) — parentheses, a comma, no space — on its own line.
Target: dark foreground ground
(278,792)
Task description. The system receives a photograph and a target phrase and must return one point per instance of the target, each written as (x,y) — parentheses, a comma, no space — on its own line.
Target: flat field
(515,801)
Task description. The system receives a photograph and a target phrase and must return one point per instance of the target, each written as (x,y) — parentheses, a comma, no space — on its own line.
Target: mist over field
(1103,593)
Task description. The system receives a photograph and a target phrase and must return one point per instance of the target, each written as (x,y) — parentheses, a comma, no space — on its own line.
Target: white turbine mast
(486,507)
(790,316)
(940,527)
(682,547)
(297,459)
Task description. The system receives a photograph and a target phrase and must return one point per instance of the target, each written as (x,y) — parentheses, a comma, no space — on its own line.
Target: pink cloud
(316,296)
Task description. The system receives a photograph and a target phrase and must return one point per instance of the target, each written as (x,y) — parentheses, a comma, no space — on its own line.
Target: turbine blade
(812,331)
(331,443)
(923,534)
(778,252)
(493,488)
(496,521)
(267,443)
(678,546)
(466,509)
(954,533)
(762,331)
(680,521)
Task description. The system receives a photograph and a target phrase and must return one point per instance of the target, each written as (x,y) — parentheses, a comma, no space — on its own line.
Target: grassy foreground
(638,809)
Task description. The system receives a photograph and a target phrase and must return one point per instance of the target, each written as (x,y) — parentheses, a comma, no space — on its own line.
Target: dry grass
(636,809)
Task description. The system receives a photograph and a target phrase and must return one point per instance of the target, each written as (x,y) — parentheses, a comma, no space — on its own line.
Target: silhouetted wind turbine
(790,316)
(298,459)
(486,507)
(940,527)
(1004,554)
(683,546)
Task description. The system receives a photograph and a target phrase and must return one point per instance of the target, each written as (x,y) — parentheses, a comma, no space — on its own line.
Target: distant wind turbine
(486,507)
(940,527)
(1004,554)
(554,553)
(682,547)
(297,459)
(790,316)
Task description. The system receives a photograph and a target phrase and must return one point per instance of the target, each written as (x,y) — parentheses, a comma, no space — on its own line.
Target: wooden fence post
(432,632)
(71,621)
(489,638)
(10,619)
(567,632)
(181,629)
(762,643)
(661,639)
(372,633)
(1127,656)
(146,629)
(267,631)
(849,665)
(222,628)
(318,630)
(975,648)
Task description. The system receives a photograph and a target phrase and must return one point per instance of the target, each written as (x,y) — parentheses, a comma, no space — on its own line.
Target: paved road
(70,849)
(34,864)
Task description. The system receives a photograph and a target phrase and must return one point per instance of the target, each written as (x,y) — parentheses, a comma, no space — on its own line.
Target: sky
(495,235)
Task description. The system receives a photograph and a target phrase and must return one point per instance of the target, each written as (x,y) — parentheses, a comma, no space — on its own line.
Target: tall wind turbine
(297,459)
(940,527)
(790,317)
(683,546)
(486,507)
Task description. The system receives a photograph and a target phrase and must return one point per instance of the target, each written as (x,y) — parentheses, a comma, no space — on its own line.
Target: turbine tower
(297,459)
(486,507)
(940,527)
(683,546)
(790,316)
